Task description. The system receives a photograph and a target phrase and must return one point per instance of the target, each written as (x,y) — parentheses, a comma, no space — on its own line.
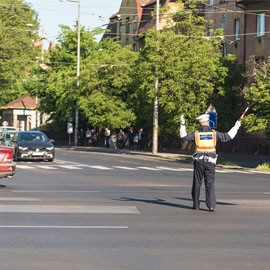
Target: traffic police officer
(205,157)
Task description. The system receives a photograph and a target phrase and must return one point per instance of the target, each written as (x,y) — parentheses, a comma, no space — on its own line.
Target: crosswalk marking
(69,167)
(46,167)
(126,168)
(148,168)
(100,167)
(77,166)
(24,167)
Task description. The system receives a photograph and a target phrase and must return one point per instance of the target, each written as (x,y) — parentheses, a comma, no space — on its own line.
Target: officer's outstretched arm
(183,132)
(233,131)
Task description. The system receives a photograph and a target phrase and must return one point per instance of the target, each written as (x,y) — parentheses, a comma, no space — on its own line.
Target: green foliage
(188,66)
(18,29)
(257,95)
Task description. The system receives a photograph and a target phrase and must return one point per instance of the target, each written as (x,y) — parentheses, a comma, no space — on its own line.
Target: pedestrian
(205,157)
(88,136)
(107,135)
(140,145)
(80,140)
(131,136)
(93,137)
(121,137)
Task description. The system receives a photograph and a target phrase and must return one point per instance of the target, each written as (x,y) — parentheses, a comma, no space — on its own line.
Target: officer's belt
(206,159)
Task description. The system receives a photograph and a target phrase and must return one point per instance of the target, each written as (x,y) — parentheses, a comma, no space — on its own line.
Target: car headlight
(23,148)
(49,148)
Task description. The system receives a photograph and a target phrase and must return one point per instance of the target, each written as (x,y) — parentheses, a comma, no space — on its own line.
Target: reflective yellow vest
(205,141)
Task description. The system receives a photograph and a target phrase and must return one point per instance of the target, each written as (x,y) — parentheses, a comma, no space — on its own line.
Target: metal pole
(155,113)
(78,78)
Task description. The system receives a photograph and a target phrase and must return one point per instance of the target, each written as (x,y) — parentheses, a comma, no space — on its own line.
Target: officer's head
(203,119)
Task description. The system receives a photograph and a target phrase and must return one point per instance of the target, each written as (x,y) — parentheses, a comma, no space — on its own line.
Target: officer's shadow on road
(155,201)
(163,202)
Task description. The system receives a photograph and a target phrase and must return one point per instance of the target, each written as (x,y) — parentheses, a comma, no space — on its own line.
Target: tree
(18,29)
(189,69)
(257,96)
(105,86)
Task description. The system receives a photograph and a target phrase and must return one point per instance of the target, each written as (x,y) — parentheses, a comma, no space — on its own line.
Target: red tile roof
(23,102)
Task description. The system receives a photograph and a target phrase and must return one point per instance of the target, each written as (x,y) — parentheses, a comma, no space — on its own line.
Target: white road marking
(24,167)
(61,227)
(19,199)
(55,191)
(69,167)
(170,169)
(71,209)
(126,168)
(100,167)
(46,167)
(149,169)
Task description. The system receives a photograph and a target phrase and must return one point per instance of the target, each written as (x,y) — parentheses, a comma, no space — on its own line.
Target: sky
(53,13)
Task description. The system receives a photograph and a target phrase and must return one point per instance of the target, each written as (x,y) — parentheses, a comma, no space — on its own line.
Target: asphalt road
(102,211)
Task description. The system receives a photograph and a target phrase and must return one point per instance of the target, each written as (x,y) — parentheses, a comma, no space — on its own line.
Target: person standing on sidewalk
(205,157)
(140,145)
(107,135)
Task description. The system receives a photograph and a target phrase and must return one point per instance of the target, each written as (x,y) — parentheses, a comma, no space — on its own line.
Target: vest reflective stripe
(205,141)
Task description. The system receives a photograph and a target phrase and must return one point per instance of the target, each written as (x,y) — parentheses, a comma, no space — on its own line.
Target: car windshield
(33,136)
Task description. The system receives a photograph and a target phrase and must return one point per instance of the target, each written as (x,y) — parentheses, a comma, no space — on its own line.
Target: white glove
(233,131)
(182,120)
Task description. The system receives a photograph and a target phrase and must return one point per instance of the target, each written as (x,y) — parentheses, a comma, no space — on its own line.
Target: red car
(7,166)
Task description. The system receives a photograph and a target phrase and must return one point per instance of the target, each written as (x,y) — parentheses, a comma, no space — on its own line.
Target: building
(246,25)
(22,113)
(136,17)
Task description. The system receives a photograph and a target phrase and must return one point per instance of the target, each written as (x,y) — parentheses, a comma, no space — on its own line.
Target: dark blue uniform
(204,167)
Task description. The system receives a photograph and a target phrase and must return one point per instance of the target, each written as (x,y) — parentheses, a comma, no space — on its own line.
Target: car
(7,128)
(8,137)
(33,145)
(7,165)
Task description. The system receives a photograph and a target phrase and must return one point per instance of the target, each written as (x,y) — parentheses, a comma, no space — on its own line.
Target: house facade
(246,25)
(136,17)
(22,113)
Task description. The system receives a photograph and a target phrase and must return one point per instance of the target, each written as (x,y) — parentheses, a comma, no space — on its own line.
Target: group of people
(132,139)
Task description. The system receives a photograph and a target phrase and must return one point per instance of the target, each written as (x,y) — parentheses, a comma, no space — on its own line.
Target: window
(135,48)
(260,24)
(127,25)
(223,1)
(135,24)
(120,28)
(210,30)
(223,21)
(224,50)
(237,29)
(127,41)
(211,2)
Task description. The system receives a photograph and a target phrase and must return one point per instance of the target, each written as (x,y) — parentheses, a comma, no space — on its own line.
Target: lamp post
(155,113)
(78,70)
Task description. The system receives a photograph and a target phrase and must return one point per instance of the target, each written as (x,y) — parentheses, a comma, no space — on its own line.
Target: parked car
(7,166)
(7,128)
(8,137)
(33,145)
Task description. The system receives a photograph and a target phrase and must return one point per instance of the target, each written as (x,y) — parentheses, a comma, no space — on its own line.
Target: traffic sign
(5,123)
(212,116)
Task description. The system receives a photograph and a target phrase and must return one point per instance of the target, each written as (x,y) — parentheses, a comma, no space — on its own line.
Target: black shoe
(195,208)
(211,209)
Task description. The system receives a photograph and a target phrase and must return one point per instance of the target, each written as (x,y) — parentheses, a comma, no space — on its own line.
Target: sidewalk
(243,160)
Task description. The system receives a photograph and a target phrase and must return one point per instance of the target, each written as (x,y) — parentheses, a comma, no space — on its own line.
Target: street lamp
(78,70)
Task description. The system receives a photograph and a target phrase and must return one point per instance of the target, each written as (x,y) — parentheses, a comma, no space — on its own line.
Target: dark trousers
(206,171)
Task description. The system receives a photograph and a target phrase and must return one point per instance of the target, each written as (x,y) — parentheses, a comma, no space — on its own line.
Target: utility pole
(155,113)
